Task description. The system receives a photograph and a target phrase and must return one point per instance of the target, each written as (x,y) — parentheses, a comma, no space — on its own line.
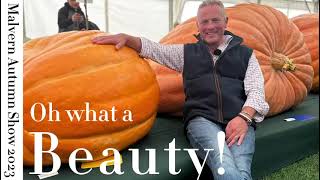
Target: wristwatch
(246,117)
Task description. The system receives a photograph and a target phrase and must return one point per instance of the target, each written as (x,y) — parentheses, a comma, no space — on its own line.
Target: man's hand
(236,129)
(119,40)
(76,17)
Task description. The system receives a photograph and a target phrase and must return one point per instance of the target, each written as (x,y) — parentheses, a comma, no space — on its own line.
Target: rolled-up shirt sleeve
(254,89)
(167,55)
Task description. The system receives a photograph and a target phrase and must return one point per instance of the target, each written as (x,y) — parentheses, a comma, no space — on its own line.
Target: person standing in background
(72,18)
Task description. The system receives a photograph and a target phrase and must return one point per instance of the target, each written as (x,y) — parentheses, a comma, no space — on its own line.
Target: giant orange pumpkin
(67,70)
(309,26)
(278,44)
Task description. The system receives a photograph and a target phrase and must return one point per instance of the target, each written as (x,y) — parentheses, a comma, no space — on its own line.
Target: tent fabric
(151,19)
(114,16)
(278,144)
(41,16)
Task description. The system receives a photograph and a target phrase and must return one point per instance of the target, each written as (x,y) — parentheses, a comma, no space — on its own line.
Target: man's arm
(63,21)
(168,55)
(255,104)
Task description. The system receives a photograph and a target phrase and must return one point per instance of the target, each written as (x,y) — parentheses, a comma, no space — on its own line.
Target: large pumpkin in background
(170,81)
(67,70)
(278,44)
(309,26)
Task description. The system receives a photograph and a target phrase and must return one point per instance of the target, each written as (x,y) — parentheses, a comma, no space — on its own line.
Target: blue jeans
(236,161)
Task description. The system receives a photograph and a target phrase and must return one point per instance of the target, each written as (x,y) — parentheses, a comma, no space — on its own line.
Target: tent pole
(86,14)
(106,15)
(170,15)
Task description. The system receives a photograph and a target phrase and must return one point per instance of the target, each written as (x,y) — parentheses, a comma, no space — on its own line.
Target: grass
(306,169)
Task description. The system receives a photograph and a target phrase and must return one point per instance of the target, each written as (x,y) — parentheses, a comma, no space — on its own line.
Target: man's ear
(197,23)
(226,24)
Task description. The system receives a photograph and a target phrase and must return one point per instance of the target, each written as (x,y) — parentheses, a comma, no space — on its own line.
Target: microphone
(217,52)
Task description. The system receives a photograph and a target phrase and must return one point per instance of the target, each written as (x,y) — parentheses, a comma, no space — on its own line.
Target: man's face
(211,24)
(73,3)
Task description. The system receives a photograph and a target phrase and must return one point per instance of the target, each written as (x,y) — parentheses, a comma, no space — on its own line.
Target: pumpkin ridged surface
(308,24)
(68,70)
(274,39)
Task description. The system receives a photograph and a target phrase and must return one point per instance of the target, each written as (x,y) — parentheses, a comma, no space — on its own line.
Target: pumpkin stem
(282,62)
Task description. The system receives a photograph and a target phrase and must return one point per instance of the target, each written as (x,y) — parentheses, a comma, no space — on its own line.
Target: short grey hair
(212,3)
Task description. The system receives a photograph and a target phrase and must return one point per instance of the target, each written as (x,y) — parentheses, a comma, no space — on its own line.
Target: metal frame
(287,4)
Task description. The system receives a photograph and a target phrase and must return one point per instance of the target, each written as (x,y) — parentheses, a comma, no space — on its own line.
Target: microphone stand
(86,15)
(77,22)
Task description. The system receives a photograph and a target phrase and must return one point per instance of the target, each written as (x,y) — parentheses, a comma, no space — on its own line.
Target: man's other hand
(236,130)
(119,40)
(76,17)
